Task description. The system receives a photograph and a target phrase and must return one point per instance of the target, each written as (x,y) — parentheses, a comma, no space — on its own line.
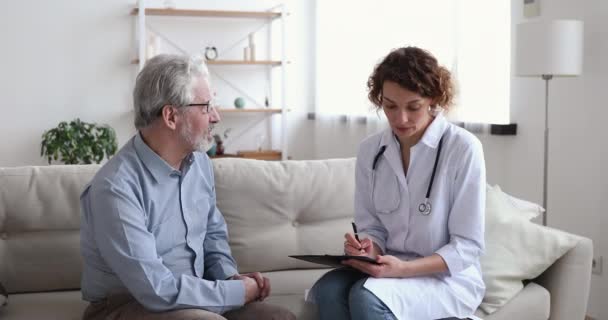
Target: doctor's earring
(435,111)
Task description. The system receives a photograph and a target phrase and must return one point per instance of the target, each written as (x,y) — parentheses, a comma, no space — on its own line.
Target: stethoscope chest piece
(425,207)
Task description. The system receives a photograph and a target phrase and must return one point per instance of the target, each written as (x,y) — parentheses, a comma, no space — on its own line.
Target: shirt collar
(431,136)
(161,171)
(435,131)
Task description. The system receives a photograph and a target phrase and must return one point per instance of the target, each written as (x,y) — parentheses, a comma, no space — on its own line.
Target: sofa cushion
(293,281)
(61,305)
(533,302)
(276,209)
(39,223)
(516,249)
(529,209)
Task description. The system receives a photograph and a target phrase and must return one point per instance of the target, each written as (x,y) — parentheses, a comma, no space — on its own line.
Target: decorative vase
(211,152)
(239,103)
(219,150)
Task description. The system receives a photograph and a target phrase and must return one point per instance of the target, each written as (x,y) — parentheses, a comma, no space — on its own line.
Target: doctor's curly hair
(416,70)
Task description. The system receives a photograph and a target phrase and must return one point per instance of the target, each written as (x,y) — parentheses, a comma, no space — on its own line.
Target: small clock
(210,53)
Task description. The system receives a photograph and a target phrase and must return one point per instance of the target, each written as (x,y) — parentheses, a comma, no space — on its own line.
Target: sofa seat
(59,305)
(273,209)
(531,303)
(288,287)
(533,297)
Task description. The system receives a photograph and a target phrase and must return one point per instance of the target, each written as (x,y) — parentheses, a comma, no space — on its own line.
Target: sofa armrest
(568,281)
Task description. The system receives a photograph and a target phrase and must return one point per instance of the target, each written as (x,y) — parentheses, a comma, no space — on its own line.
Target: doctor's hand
(366,247)
(388,267)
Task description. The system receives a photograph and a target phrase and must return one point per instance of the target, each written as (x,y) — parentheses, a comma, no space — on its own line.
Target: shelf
(258,155)
(255,113)
(243,62)
(258,110)
(209,13)
(225,155)
(234,62)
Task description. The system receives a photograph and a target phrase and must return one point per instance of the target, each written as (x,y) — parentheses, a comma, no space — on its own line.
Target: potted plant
(78,142)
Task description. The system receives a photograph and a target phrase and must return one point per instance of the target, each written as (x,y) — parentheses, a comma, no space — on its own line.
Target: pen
(355,230)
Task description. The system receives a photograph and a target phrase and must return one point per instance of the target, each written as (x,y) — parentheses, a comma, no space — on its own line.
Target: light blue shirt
(156,233)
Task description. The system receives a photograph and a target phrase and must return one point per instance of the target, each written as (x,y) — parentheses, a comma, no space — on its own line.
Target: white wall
(61,60)
(578,179)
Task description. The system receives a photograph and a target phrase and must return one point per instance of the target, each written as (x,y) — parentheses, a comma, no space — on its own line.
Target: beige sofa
(273,209)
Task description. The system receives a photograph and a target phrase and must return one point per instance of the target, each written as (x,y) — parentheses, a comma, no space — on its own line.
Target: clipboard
(331,260)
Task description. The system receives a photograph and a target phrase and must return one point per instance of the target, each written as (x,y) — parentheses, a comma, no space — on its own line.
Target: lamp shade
(549,48)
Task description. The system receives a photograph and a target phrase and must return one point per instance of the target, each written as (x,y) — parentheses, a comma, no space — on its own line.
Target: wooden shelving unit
(243,62)
(271,155)
(208,13)
(258,110)
(235,62)
(274,16)
(261,155)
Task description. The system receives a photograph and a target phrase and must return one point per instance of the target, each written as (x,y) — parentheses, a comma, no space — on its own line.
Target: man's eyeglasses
(205,107)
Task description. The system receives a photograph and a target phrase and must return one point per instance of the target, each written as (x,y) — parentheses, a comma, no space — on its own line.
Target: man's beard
(200,143)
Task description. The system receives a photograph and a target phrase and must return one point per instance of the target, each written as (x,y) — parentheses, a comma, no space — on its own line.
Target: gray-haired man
(153,242)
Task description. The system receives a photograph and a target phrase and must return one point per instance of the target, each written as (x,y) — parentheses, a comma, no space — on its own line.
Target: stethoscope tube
(377,157)
(425,207)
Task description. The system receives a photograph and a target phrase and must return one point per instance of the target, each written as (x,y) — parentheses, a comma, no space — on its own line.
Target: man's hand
(256,286)
(252,292)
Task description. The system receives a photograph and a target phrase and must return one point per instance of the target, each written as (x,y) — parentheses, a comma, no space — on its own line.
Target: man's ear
(169,114)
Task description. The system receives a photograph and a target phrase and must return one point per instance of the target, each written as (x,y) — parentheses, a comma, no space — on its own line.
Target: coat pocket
(386,191)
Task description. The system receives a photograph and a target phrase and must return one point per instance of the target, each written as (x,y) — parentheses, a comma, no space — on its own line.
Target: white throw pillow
(516,250)
(529,209)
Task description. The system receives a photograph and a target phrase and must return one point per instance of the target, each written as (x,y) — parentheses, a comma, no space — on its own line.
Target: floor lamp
(549,49)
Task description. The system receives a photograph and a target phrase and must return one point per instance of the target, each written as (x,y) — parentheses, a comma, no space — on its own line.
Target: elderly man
(153,242)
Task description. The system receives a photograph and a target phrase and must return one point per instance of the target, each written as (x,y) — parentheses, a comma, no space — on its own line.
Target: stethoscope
(425,207)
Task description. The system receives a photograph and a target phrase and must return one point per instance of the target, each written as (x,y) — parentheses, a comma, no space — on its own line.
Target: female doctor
(419,205)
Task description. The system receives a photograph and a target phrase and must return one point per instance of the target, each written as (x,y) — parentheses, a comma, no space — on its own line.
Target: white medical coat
(386,210)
